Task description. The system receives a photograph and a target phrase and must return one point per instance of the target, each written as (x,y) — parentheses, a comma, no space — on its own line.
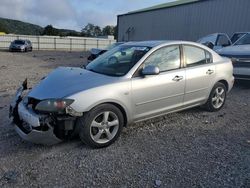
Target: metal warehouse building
(185,20)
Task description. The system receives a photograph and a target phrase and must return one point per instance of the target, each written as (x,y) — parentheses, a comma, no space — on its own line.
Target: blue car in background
(239,53)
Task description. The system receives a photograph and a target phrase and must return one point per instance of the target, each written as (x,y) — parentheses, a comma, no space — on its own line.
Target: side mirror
(150,70)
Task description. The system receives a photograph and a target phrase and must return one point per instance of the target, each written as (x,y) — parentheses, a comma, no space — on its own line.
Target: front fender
(118,93)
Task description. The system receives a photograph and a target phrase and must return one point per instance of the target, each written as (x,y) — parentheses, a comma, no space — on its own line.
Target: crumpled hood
(65,81)
(235,50)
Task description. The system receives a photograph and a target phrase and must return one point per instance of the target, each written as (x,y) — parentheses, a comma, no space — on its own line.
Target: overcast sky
(71,14)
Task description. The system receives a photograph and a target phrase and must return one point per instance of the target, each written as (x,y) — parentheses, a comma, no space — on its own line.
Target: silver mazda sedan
(130,83)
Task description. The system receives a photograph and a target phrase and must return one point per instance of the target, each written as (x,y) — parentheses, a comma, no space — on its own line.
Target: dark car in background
(239,52)
(20,46)
(95,52)
(216,41)
(236,36)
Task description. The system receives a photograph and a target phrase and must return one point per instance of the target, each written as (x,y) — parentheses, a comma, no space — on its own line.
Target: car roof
(242,32)
(23,40)
(151,43)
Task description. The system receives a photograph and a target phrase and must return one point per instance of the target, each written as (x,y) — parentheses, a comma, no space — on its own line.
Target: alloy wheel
(218,97)
(104,127)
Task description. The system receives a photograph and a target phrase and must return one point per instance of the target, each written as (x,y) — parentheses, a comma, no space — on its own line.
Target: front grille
(241,62)
(242,77)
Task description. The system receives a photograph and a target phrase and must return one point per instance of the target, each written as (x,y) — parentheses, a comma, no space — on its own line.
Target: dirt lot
(187,149)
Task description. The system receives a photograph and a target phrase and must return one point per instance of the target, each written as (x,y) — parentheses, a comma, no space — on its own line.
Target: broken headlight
(53,105)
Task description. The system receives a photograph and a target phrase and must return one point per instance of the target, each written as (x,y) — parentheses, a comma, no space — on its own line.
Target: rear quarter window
(195,56)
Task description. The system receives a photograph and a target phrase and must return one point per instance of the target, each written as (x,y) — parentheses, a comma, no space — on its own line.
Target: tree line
(90,30)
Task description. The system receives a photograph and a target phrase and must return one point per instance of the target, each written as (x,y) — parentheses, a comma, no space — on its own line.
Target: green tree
(91,30)
(88,30)
(97,31)
(50,30)
(108,30)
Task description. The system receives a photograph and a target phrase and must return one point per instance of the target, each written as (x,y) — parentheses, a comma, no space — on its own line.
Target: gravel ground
(193,148)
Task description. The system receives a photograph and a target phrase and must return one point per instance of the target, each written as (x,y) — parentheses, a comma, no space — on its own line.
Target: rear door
(156,94)
(200,73)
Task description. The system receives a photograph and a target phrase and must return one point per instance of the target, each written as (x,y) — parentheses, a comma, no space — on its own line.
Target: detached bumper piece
(33,127)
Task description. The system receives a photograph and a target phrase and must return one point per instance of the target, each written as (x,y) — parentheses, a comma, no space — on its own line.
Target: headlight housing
(53,105)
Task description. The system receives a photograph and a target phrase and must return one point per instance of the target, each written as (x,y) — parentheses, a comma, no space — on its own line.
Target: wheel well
(122,110)
(224,82)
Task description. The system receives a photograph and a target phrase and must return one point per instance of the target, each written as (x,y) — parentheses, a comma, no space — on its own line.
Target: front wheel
(216,98)
(101,126)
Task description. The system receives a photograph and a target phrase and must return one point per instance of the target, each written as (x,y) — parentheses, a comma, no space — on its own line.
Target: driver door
(157,94)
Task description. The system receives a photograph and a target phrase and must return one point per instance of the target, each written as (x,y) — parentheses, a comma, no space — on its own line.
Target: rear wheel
(216,98)
(101,126)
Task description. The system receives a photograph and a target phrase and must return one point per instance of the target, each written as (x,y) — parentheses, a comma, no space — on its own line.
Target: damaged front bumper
(30,125)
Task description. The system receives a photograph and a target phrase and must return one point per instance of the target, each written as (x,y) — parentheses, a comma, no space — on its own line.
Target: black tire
(87,131)
(26,49)
(211,102)
(31,49)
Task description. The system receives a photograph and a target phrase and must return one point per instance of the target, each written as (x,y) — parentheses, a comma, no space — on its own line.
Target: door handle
(177,78)
(209,71)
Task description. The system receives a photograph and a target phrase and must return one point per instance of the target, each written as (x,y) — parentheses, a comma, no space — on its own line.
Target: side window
(209,57)
(223,41)
(166,58)
(196,56)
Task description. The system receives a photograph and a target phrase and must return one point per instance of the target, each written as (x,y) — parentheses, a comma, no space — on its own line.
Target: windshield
(118,61)
(19,42)
(111,46)
(244,40)
(209,38)
(237,36)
